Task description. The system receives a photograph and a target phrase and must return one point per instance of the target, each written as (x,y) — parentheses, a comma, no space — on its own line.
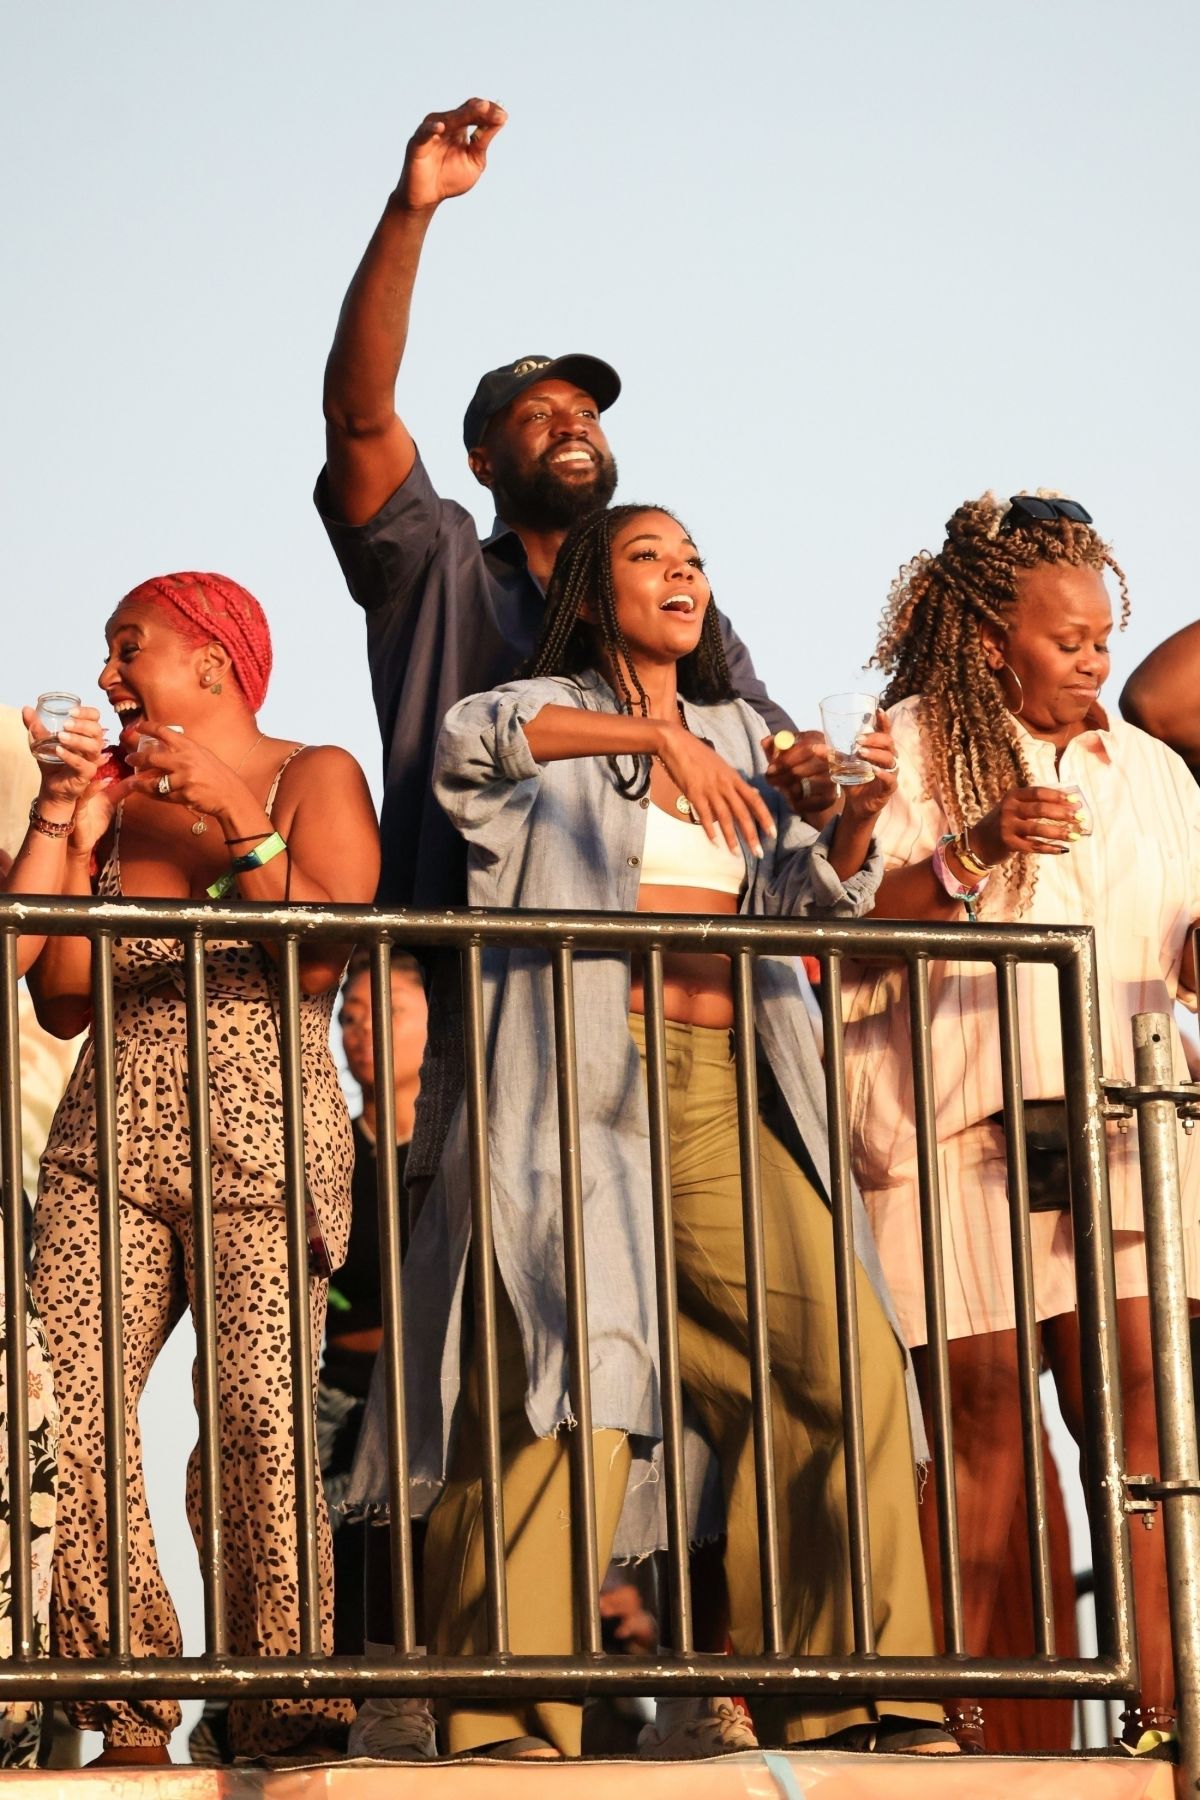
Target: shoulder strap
(290,757)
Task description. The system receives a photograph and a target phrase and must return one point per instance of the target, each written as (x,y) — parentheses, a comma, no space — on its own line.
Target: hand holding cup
(798,768)
(68,743)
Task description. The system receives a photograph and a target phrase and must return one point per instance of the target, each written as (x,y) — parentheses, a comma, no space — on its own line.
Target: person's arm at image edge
(1161,696)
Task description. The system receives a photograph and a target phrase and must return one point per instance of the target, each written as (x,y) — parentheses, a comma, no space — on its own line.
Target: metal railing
(499,1673)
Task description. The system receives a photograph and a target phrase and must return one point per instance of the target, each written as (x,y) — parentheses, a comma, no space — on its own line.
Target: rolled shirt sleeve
(485,776)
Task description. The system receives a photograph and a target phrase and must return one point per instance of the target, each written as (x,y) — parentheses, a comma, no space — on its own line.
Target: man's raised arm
(369,450)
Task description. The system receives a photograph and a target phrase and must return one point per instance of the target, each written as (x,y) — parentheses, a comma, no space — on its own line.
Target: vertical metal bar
(483,1269)
(1096,1298)
(667,1298)
(1028,1338)
(846,1279)
(299,1320)
(205,1299)
(391,1237)
(112,1321)
(759,1346)
(583,1490)
(16,1361)
(1174,1402)
(925,1107)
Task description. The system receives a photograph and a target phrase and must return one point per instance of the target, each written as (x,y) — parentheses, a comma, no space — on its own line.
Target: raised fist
(447,153)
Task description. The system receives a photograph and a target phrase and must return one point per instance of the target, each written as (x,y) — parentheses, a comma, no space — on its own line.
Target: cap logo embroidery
(529,363)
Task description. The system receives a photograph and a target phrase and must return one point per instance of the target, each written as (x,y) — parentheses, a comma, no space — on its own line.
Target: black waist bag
(1046,1154)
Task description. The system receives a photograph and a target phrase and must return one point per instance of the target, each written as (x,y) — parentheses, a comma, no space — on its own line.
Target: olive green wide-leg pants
(809,1462)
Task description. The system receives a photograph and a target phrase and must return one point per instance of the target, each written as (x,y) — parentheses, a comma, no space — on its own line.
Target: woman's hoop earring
(1016,711)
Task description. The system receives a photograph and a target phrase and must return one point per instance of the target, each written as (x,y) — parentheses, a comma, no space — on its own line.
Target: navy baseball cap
(499,386)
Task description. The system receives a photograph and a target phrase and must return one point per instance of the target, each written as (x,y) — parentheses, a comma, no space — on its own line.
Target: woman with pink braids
(212,806)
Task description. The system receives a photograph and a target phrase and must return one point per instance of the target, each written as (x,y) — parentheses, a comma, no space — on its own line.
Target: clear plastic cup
(53,711)
(148,742)
(844,719)
(1083,810)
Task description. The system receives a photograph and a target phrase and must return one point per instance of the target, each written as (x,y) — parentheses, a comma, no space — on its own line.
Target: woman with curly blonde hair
(1019,799)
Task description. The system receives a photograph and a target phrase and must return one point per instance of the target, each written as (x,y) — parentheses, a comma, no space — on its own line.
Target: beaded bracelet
(955,888)
(51,828)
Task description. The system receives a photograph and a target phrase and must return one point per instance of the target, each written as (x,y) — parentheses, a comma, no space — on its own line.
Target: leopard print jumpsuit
(157,1269)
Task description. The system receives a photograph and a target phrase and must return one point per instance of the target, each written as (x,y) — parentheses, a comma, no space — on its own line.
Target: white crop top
(678,854)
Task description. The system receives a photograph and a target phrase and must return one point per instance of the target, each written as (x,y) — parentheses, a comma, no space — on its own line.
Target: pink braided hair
(211,609)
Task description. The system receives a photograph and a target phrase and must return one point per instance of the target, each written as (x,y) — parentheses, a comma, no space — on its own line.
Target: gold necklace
(201,825)
(682,803)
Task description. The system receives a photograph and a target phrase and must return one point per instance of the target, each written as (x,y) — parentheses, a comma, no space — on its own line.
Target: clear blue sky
(853,262)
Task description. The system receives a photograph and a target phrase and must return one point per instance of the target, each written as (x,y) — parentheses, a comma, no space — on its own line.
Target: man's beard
(541,500)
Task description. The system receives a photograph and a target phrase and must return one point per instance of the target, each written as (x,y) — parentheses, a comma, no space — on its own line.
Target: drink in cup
(844,719)
(1082,824)
(147,742)
(53,711)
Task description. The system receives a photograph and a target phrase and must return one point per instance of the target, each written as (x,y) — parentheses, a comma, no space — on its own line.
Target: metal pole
(208,1377)
(945,1487)
(112,1341)
(586,1573)
(391,1242)
(1096,1298)
(667,1297)
(758,1325)
(483,1270)
(1174,1404)
(16,1366)
(845,1267)
(299,1316)
(1029,1345)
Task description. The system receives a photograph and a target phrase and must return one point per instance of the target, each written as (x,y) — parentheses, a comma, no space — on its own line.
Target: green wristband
(261,854)
(242,865)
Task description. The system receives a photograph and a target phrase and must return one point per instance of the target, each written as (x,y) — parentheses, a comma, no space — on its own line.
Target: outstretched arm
(369,450)
(1160,695)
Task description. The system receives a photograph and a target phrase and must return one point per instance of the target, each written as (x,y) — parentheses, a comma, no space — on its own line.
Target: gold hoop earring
(1016,711)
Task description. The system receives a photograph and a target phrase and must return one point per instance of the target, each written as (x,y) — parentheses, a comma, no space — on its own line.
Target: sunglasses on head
(1029,509)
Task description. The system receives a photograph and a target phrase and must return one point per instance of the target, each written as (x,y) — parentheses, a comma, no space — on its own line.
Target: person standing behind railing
(213,807)
(626,776)
(1018,798)
(446,614)
(355,1329)
(39,867)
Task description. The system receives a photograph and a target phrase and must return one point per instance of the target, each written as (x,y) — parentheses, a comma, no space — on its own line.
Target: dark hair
(571,643)
(402,963)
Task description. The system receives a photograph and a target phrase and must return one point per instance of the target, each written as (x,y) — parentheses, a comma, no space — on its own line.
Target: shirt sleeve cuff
(830,892)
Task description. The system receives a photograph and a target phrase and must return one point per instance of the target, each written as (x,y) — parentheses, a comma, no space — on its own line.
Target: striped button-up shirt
(1136,879)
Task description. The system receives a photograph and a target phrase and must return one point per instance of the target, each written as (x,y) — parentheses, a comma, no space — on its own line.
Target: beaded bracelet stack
(51,828)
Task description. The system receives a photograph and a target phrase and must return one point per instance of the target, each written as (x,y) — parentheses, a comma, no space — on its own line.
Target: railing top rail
(866,939)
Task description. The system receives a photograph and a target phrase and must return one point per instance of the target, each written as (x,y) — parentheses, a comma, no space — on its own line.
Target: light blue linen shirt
(562,836)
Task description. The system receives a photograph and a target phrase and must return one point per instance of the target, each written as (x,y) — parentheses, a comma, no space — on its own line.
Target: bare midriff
(697,988)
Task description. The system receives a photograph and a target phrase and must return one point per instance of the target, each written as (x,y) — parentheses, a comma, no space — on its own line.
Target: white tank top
(678,854)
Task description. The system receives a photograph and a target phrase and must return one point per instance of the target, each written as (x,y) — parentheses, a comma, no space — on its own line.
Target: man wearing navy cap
(448,615)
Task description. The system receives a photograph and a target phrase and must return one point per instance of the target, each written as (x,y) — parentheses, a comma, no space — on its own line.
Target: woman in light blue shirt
(625,775)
